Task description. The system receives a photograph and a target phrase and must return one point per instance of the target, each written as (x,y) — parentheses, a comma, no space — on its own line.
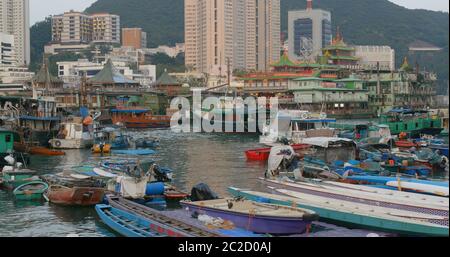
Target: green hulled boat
(30,191)
(15,178)
(412,122)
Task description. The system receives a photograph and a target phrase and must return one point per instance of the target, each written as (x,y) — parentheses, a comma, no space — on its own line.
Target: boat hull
(45,151)
(76,196)
(71,143)
(256,223)
(262,154)
(23,193)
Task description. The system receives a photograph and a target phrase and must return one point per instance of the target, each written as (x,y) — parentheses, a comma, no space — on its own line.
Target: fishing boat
(354,214)
(9,140)
(30,191)
(72,135)
(412,122)
(125,223)
(262,154)
(295,126)
(43,151)
(75,196)
(257,217)
(139,118)
(176,222)
(134,152)
(400,200)
(405,143)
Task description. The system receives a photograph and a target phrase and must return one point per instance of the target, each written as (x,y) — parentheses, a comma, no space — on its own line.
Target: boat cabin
(331,149)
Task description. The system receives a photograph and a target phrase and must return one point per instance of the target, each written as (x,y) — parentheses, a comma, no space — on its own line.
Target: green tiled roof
(309,79)
(109,75)
(284,61)
(44,76)
(352,58)
(339,47)
(166,80)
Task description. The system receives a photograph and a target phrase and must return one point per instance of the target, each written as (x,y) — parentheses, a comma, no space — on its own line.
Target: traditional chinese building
(169,85)
(339,53)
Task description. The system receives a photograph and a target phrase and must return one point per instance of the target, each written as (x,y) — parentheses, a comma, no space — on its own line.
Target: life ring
(305,116)
(57,143)
(323,115)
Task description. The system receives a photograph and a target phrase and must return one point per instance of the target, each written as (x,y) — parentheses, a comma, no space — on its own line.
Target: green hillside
(377,22)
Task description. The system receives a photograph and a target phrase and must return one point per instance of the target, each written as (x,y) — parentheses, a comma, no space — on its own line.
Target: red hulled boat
(262,154)
(75,196)
(139,118)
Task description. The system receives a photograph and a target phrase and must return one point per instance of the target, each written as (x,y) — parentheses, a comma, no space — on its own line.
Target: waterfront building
(134,37)
(15,20)
(240,34)
(309,32)
(80,28)
(339,98)
(56,48)
(45,84)
(405,87)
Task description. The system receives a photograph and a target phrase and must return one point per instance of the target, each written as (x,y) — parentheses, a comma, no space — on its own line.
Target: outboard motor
(161,174)
(202,192)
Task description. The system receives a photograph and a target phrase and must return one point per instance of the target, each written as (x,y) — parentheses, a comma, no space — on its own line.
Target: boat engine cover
(202,192)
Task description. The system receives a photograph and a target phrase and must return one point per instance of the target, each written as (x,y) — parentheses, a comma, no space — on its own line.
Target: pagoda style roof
(338,43)
(405,65)
(284,61)
(109,75)
(44,76)
(343,57)
(166,80)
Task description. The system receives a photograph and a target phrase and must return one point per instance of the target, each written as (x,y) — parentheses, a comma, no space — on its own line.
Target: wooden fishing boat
(125,223)
(262,154)
(76,196)
(354,214)
(257,217)
(176,222)
(406,201)
(30,191)
(37,150)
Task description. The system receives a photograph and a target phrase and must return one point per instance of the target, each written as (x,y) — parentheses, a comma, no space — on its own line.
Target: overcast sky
(42,8)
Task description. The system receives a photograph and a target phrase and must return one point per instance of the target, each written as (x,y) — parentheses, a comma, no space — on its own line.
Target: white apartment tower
(245,33)
(15,20)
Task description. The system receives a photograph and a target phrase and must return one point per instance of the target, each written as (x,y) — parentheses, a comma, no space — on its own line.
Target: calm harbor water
(217,160)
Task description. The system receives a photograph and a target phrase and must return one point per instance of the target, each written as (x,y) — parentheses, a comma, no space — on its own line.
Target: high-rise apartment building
(15,20)
(134,37)
(245,33)
(7,56)
(80,28)
(309,31)
(106,28)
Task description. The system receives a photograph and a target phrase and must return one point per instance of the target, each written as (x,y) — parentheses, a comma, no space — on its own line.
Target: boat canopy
(325,142)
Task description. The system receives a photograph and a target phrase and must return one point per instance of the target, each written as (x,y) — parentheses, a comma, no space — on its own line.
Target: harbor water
(215,159)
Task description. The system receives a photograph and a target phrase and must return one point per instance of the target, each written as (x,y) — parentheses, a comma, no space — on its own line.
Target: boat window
(406,126)
(8,138)
(417,125)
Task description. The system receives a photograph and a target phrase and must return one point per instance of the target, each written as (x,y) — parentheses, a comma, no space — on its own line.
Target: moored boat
(262,154)
(75,196)
(355,215)
(126,223)
(134,152)
(43,151)
(30,191)
(257,217)
(139,118)
(15,178)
